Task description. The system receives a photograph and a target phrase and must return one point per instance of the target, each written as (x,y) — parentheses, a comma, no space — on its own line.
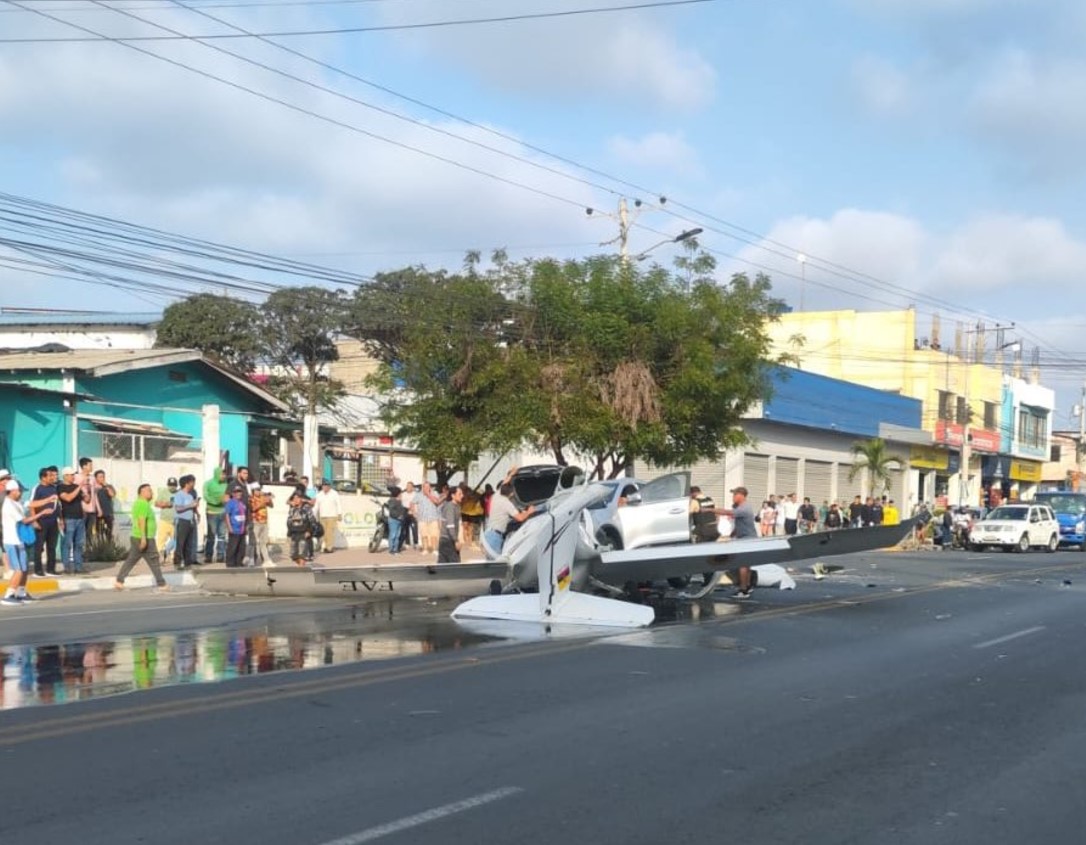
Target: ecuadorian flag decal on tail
(563,578)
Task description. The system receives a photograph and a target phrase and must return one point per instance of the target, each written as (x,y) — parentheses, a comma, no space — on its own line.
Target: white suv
(1020,527)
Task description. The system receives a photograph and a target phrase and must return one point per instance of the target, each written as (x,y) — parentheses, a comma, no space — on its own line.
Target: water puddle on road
(62,673)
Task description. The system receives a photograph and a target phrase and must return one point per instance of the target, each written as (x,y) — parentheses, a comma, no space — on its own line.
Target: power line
(244,4)
(829,267)
(754,239)
(566,13)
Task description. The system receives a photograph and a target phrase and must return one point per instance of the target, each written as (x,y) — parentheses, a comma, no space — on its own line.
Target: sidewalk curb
(62,584)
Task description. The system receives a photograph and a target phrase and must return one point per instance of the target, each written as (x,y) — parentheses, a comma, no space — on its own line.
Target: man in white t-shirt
(790,509)
(327,508)
(12,514)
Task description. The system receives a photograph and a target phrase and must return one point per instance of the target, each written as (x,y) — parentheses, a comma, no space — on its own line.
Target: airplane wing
(657,563)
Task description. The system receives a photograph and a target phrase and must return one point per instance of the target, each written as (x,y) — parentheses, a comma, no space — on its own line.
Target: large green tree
(221,327)
(298,329)
(588,358)
(447,371)
(645,365)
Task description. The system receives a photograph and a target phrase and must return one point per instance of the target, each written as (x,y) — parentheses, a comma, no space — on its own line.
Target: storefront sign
(981,439)
(1029,471)
(925,457)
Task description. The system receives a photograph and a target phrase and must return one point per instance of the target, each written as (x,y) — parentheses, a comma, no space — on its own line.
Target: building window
(962,412)
(1054,454)
(944,405)
(990,416)
(1032,429)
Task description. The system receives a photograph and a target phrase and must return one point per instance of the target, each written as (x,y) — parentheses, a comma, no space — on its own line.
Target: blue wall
(35,429)
(814,401)
(154,387)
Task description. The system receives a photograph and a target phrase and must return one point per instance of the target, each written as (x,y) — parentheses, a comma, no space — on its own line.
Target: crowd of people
(57,517)
(785,515)
(46,527)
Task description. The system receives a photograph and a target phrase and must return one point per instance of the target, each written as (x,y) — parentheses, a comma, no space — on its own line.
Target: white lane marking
(1009,637)
(162,605)
(370,834)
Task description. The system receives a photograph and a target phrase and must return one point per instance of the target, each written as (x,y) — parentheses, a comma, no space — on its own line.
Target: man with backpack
(302,526)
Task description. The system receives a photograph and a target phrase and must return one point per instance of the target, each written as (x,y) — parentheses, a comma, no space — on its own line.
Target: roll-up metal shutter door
(847,489)
(896,490)
(709,476)
(818,481)
(756,478)
(787,476)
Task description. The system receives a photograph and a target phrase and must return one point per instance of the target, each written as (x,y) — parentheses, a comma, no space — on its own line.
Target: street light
(679,238)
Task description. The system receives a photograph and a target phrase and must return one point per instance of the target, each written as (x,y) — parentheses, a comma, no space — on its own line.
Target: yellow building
(960,380)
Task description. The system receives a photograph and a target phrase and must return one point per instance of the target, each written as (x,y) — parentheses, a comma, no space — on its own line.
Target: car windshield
(1018,513)
(1073,504)
(605,501)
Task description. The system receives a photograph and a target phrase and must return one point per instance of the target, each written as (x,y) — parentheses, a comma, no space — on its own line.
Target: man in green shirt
(142,543)
(214,504)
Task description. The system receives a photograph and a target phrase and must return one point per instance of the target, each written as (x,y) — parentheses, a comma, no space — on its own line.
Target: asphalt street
(934,697)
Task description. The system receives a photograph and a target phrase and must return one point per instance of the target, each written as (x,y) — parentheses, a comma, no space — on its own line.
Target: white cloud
(668,151)
(1010,253)
(138,139)
(632,58)
(997,263)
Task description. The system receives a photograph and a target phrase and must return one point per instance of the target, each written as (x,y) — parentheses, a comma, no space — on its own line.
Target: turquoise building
(152,407)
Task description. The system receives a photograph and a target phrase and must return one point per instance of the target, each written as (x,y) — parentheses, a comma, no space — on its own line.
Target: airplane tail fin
(557,602)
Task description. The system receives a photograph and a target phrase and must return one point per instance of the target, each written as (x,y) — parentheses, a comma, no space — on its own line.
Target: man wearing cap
(12,516)
(743,527)
(167,528)
(72,524)
(259,502)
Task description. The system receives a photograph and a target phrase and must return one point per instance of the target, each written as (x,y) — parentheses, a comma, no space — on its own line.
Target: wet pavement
(49,673)
(61,673)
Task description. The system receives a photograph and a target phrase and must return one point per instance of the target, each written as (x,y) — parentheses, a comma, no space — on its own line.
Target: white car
(1020,527)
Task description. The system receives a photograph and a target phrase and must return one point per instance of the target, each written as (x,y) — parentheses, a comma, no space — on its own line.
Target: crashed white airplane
(559,567)
(556,564)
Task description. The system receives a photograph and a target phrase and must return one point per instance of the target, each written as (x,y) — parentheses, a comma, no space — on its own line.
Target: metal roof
(95,362)
(106,362)
(32,320)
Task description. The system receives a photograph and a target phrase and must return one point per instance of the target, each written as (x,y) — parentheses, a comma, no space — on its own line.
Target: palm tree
(873,456)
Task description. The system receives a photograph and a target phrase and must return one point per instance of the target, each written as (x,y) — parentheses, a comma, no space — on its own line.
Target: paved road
(927,699)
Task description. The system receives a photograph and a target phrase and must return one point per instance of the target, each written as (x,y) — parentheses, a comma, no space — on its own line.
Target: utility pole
(967,446)
(626,221)
(1080,449)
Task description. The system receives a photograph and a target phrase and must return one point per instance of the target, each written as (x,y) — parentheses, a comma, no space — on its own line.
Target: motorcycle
(380,532)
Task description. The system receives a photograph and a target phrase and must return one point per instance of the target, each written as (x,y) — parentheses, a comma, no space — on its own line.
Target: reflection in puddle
(59,674)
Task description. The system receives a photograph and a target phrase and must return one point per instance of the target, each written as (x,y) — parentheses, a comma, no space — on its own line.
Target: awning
(132,426)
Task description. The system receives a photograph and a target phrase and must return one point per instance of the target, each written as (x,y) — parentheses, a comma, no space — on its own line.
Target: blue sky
(934,145)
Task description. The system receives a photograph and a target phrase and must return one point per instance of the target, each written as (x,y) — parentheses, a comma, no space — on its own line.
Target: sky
(917,152)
